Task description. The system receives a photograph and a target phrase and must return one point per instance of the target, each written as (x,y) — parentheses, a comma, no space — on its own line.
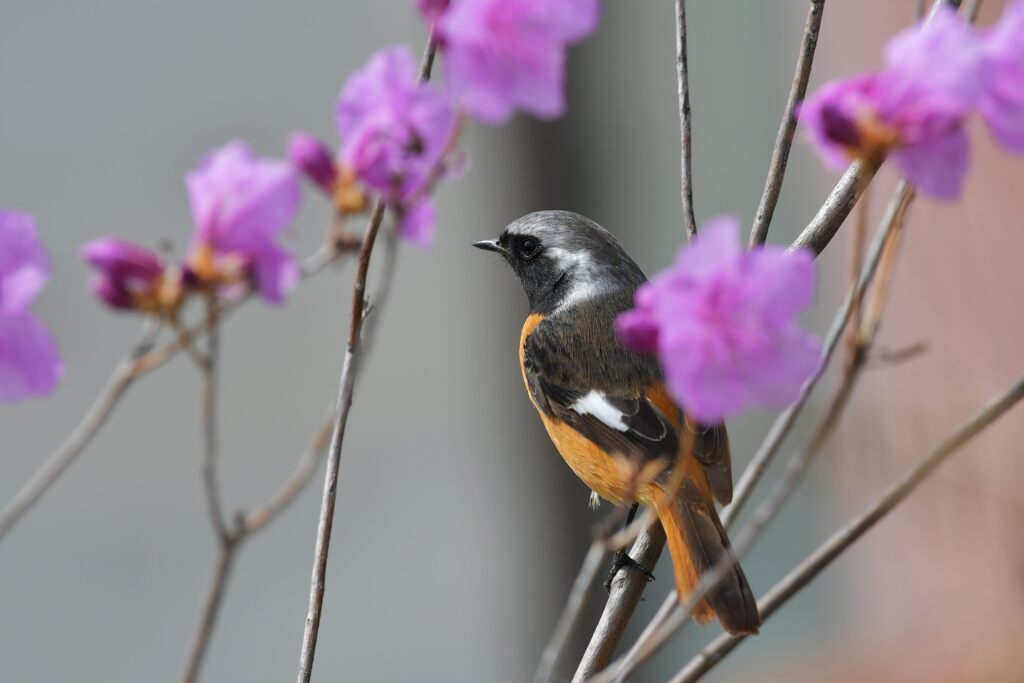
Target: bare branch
(784,138)
(622,602)
(344,404)
(208,368)
(123,376)
(209,610)
(683,80)
(825,224)
(821,558)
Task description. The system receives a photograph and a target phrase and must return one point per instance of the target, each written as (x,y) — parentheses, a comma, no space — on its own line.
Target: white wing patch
(595,403)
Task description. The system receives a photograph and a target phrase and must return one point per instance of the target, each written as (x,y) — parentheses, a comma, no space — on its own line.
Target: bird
(606,408)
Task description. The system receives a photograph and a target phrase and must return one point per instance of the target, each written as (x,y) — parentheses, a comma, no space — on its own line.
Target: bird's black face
(562,257)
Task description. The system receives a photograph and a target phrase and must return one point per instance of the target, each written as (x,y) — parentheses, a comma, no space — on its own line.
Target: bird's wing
(606,407)
(616,399)
(713,452)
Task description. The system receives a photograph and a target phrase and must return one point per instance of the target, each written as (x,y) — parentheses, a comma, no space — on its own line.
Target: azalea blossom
(1002,104)
(504,55)
(913,110)
(395,132)
(723,323)
(132,277)
(30,364)
(241,204)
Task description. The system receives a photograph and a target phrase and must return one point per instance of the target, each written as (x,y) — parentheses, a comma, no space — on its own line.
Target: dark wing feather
(713,453)
(558,378)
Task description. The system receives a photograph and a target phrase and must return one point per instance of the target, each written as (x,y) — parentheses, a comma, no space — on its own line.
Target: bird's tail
(698,543)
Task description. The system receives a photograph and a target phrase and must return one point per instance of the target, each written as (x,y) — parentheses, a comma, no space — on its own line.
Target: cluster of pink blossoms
(398,135)
(913,110)
(397,132)
(240,206)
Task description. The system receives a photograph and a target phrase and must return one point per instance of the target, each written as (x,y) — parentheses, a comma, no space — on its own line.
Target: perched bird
(606,408)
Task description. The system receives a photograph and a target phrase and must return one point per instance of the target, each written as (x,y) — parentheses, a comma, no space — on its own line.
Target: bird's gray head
(563,258)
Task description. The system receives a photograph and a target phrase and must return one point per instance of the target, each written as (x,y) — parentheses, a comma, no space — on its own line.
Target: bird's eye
(529,248)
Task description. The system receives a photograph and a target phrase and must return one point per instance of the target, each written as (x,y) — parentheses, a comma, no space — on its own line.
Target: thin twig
(212,601)
(571,612)
(825,224)
(669,618)
(821,558)
(685,152)
(208,368)
(344,404)
(787,127)
(855,260)
(125,373)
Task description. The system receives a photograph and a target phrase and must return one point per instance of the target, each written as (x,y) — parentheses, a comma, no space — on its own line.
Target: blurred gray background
(459,530)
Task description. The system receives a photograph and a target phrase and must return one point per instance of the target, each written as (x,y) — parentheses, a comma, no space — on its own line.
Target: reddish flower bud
(312,157)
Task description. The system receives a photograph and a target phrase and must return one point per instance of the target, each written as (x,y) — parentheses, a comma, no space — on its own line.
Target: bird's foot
(622,560)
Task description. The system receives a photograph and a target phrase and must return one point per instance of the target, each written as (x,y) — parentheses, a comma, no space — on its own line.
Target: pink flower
(240,204)
(1002,104)
(911,111)
(394,131)
(503,55)
(30,364)
(311,157)
(723,322)
(129,275)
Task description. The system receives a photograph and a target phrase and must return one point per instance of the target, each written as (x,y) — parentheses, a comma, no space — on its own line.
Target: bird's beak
(490,245)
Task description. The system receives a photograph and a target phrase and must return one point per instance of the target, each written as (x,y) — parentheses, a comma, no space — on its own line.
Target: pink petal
(937,168)
(418,224)
(637,330)
(311,157)
(780,283)
(276,272)
(122,260)
(237,198)
(911,77)
(774,379)
(716,246)
(24,266)
(30,364)
(1002,105)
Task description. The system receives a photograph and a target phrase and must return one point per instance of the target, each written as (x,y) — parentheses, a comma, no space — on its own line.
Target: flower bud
(310,156)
